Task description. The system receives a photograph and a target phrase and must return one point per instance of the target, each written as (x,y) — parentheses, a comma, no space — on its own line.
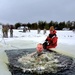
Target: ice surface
(20,40)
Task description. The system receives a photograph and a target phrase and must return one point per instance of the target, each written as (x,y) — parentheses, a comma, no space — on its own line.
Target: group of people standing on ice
(39,30)
(5,29)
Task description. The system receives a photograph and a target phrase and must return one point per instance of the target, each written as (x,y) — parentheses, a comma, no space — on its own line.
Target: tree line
(44,25)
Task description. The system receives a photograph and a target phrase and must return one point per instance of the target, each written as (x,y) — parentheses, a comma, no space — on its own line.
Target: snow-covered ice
(20,40)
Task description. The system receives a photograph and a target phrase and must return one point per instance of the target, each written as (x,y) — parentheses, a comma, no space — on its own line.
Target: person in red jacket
(51,40)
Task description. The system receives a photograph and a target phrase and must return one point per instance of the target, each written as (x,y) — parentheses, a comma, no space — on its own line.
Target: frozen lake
(66,44)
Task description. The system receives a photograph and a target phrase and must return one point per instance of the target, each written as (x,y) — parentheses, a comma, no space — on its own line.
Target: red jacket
(52,42)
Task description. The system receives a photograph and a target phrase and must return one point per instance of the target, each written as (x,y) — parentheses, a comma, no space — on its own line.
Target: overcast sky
(24,11)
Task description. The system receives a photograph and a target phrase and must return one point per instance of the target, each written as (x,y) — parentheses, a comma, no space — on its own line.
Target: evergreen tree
(17,25)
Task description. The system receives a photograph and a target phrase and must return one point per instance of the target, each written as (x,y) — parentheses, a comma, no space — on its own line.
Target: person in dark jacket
(51,40)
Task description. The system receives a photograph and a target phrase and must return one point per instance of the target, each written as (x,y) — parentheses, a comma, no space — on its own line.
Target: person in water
(50,42)
(39,48)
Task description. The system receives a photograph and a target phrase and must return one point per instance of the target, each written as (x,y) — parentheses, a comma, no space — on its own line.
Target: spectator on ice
(50,42)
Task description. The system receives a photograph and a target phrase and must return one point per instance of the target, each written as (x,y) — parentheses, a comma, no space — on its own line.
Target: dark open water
(14,65)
